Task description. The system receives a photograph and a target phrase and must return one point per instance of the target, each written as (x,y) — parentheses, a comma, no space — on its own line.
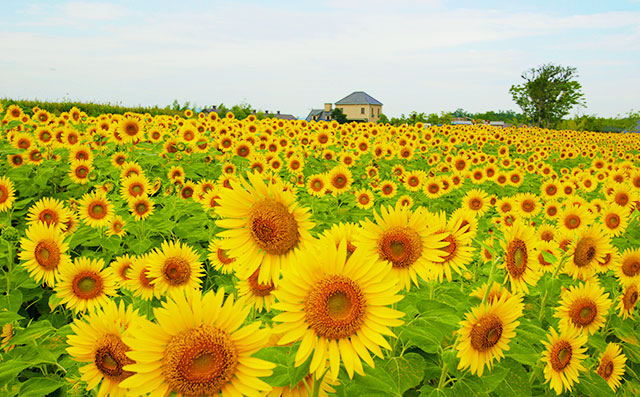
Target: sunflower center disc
(136,190)
(516,257)
(583,311)
(612,220)
(585,252)
(176,270)
(47,216)
(259,289)
(486,332)
(336,307)
(47,254)
(560,355)
(450,249)
(402,246)
(87,285)
(273,227)
(110,357)
(631,266)
(630,297)
(572,221)
(141,208)
(622,199)
(528,206)
(199,361)
(223,257)
(475,204)
(3,194)
(605,369)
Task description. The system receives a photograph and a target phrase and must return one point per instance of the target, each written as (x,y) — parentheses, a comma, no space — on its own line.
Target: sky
(292,56)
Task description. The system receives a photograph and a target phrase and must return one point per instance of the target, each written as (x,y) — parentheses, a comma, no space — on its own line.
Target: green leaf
(406,371)
(516,383)
(391,377)
(492,378)
(35,331)
(549,257)
(279,355)
(468,386)
(7,317)
(592,384)
(40,386)
(523,353)
(423,334)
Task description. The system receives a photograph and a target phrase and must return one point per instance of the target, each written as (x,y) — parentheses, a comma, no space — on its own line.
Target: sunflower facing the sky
(404,239)
(266,227)
(487,331)
(563,357)
(338,307)
(197,347)
(97,341)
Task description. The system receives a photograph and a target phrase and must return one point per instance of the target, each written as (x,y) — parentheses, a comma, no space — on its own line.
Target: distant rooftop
(358,98)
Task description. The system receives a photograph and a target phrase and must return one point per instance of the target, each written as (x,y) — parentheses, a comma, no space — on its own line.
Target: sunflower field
(196,254)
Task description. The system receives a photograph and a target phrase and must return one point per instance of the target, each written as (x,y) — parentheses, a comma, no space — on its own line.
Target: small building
(461,121)
(281,116)
(357,106)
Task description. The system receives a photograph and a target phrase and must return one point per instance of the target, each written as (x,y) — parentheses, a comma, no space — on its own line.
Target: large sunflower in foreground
(174,267)
(197,347)
(43,250)
(97,340)
(611,365)
(404,239)
(563,358)
(520,257)
(338,307)
(85,285)
(487,331)
(266,227)
(583,307)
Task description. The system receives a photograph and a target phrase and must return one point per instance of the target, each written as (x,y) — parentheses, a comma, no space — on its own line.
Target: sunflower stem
(443,376)
(317,382)
(490,281)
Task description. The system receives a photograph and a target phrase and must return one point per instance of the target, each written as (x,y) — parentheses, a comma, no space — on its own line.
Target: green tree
(548,93)
(383,119)
(338,116)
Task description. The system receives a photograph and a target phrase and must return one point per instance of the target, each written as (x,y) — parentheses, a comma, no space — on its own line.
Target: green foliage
(548,93)
(338,116)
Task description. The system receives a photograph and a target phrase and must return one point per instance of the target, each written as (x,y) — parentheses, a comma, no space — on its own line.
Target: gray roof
(358,98)
(320,113)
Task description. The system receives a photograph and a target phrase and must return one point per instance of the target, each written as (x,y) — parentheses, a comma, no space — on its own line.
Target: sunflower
(457,251)
(364,198)
(629,269)
(574,218)
(550,248)
(96,209)
(563,358)
(134,186)
(257,295)
(465,219)
(339,179)
(622,194)
(15,160)
(520,257)
(527,205)
(388,189)
(85,285)
(219,259)
(141,207)
(487,331)
(317,185)
(614,220)
(139,281)
(50,211)
(174,267)
(130,168)
(266,227)
(43,250)
(405,201)
(588,249)
(197,347)
(304,388)
(343,231)
(97,340)
(130,129)
(337,307)
(116,227)
(505,205)
(550,190)
(628,300)
(79,171)
(611,365)
(432,188)
(7,194)
(414,179)
(496,292)
(121,267)
(583,307)
(405,239)
(477,201)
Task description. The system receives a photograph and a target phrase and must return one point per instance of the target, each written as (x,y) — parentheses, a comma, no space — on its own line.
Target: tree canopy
(548,93)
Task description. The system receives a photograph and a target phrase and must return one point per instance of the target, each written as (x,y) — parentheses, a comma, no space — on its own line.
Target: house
(281,116)
(461,121)
(357,106)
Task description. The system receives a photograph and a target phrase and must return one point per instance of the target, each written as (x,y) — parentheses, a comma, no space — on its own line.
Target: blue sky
(292,56)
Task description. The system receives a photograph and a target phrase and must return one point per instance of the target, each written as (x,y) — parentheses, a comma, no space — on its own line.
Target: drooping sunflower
(406,240)
(584,307)
(258,295)
(487,331)
(563,357)
(588,249)
(43,250)
(338,307)
(97,340)
(611,365)
(197,347)
(219,259)
(85,285)
(520,257)
(7,194)
(174,267)
(266,227)
(50,211)
(95,209)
